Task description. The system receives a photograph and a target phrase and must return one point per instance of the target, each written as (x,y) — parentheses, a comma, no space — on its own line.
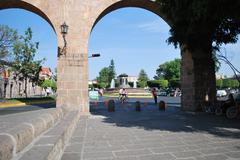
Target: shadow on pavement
(173,120)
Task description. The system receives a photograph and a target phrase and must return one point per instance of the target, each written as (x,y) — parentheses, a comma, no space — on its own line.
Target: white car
(221,93)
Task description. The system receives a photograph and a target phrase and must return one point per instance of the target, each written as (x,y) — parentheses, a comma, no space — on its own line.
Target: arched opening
(26,6)
(228,75)
(20,16)
(135,38)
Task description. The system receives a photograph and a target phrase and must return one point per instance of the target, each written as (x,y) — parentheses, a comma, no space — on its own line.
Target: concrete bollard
(111,106)
(106,103)
(138,106)
(162,106)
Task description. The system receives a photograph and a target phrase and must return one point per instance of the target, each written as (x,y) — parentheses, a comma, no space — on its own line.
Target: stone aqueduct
(81,16)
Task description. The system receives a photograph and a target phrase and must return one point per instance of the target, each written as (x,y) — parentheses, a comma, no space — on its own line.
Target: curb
(4,105)
(51,145)
(15,140)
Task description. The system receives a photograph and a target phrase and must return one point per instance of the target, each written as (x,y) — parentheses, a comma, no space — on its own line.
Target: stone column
(197,79)
(73,82)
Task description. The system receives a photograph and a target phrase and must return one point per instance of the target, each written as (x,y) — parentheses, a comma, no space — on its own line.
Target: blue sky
(134,38)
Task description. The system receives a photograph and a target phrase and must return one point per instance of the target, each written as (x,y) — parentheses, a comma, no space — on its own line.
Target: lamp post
(64,31)
(94,55)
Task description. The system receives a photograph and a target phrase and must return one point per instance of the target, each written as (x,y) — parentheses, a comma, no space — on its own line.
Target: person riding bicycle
(122,94)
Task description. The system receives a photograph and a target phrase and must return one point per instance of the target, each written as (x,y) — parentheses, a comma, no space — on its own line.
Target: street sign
(93,95)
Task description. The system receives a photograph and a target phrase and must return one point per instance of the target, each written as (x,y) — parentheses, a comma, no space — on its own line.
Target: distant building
(91,82)
(220,76)
(45,73)
(12,87)
(132,78)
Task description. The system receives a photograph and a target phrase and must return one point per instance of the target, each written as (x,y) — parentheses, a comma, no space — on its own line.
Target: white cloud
(155,27)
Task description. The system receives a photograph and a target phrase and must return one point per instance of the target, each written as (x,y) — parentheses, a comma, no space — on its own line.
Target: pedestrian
(154,93)
(100,92)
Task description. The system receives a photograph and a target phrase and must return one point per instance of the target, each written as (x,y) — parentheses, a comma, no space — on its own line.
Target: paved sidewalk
(153,135)
(14,116)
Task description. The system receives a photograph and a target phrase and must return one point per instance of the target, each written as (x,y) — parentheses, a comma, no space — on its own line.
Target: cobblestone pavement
(153,135)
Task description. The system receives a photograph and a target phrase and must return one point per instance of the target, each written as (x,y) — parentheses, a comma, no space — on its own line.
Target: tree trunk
(198,78)
(26,82)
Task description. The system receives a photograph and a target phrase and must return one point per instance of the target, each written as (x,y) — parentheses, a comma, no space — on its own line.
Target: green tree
(200,27)
(198,24)
(219,83)
(103,78)
(55,75)
(112,72)
(8,37)
(170,71)
(226,83)
(106,75)
(158,83)
(142,78)
(25,67)
(47,83)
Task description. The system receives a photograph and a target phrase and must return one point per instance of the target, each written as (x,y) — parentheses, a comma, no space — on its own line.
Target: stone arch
(26,6)
(144,4)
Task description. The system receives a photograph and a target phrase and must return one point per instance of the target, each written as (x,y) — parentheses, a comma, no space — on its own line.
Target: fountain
(135,84)
(124,81)
(112,86)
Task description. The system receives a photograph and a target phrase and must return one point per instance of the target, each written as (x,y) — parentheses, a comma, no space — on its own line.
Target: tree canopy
(103,77)
(25,66)
(196,23)
(106,75)
(142,78)
(158,83)
(8,37)
(170,71)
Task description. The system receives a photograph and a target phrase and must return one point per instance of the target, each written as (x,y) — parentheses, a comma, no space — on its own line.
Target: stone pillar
(73,82)
(197,79)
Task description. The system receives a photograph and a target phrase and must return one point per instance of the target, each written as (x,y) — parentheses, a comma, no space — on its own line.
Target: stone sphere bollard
(111,106)
(162,106)
(138,106)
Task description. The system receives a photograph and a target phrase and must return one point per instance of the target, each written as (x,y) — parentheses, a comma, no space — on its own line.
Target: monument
(124,81)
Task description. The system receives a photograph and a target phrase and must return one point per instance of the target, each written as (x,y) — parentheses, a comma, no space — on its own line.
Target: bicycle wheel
(232,112)
(218,111)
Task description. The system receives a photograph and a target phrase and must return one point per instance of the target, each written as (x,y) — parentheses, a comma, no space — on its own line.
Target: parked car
(221,93)
(162,93)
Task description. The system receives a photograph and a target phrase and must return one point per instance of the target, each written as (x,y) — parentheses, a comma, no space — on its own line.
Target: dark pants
(155,99)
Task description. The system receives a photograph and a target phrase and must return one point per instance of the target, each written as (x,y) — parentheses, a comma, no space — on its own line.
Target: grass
(27,100)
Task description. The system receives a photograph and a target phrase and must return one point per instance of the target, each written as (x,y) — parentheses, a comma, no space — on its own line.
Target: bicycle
(123,98)
(233,111)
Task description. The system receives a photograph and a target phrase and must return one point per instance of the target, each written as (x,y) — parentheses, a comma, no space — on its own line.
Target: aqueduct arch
(81,16)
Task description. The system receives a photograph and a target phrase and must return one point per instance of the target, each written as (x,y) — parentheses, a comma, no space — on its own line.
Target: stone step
(51,144)
(15,140)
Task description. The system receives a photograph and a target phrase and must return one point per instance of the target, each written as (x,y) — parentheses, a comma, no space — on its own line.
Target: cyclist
(122,95)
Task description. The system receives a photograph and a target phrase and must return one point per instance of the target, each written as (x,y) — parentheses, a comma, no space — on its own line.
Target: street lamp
(64,31)
(94,55)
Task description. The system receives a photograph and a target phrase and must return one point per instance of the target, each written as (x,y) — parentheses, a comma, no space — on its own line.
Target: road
(174,101)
